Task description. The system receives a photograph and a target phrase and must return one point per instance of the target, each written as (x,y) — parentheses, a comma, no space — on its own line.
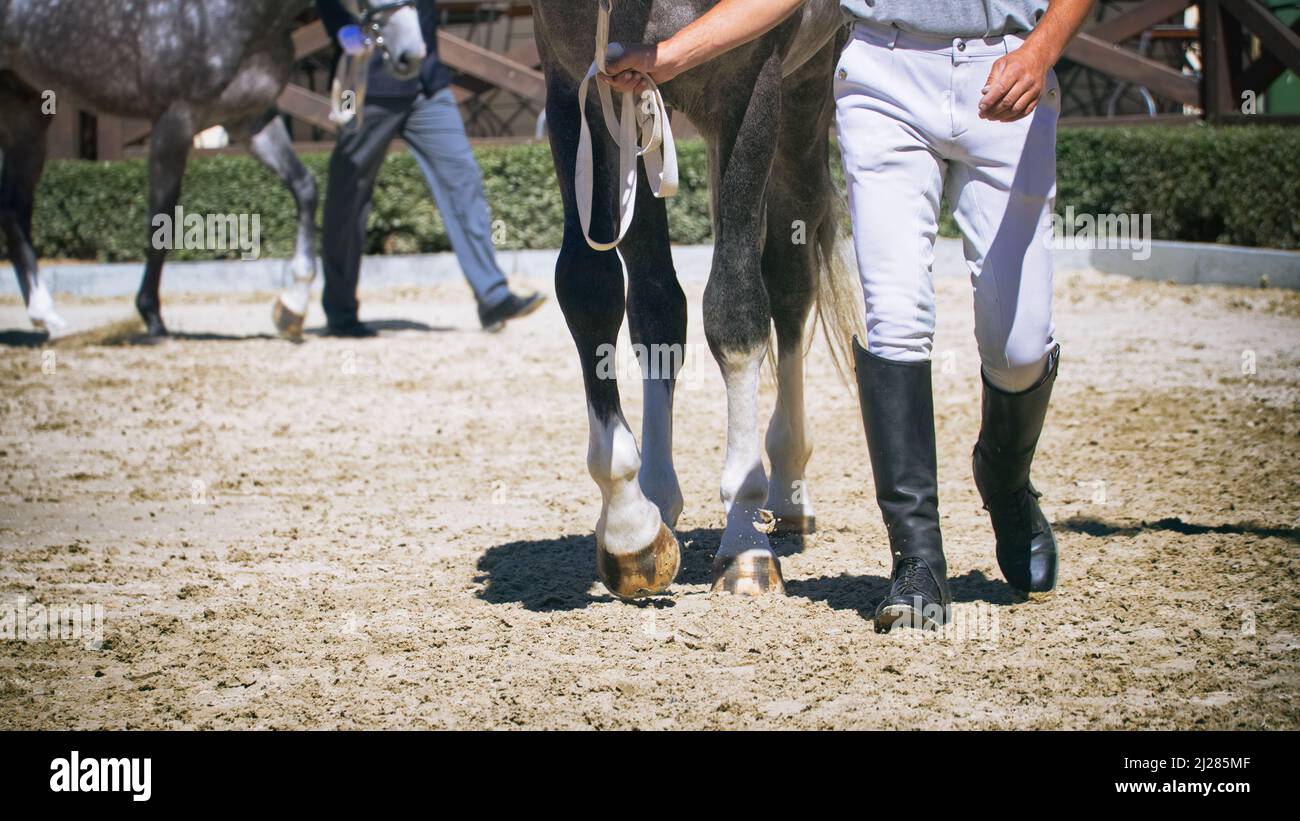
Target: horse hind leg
(22,140)
(737,323)
(798,211)
(270,143)
(169,148)
(636,552)
(789,270)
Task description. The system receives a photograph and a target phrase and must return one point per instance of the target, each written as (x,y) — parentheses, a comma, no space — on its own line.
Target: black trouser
(431,125)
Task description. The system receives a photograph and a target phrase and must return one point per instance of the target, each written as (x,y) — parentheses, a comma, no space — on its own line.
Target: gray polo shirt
(950,18)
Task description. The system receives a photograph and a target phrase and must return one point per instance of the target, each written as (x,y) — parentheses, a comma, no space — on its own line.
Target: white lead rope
(655,144)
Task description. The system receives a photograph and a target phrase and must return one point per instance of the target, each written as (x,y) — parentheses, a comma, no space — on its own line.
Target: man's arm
(1017,81)
(727,25)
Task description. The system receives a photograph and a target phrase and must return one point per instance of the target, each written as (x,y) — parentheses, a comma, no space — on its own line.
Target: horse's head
(394,26)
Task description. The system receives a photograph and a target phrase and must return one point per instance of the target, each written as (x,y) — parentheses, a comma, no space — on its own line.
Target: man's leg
(894,178)
(1004,186)
(354,166)
(437,138)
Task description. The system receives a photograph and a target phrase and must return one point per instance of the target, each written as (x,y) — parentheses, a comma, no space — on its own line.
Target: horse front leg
(656,313)
(169,148)
(737,323)
(271,144)
(636,552)
(22,138)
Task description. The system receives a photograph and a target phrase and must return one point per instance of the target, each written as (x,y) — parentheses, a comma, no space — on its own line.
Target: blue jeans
(432,127)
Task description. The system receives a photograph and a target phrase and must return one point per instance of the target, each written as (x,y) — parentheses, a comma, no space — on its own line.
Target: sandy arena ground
(397,532)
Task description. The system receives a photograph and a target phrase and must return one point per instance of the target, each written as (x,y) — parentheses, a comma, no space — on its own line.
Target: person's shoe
(512,307)
(898,417)
(916,599)
(1012,422)
(351,329)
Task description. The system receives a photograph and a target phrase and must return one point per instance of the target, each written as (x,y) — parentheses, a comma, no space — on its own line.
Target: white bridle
(655,144)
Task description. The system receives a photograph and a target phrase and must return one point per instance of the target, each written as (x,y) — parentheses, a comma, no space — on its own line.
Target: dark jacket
(433,75)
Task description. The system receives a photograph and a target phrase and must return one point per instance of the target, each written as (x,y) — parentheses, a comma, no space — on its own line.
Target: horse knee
(11,217)
(589,287)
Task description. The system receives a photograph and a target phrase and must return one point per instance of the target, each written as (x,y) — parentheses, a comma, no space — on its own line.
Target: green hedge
(1236,185)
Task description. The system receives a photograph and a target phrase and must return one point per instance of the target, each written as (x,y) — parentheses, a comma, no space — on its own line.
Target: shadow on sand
(556,575)
(131,332)
(23,339)
(383,325)
(1097,527)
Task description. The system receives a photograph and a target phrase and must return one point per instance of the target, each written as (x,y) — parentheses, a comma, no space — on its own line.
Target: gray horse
(184,65)
(764,111)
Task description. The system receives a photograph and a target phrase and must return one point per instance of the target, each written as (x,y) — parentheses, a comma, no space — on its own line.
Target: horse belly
(256,85)
(98,89)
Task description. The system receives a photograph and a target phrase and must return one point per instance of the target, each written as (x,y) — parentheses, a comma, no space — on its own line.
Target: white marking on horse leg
(302,272)
(658,477)
(273,146)
(290,311)
(744,482)
(788,445)
(40,308)
(628,522)
(636,554)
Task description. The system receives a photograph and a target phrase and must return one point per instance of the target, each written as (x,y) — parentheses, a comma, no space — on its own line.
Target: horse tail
(839,294)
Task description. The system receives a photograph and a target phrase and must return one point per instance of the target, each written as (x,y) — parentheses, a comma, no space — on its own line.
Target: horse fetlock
(41,312)
(628,521)
(791,504)
(661,487)
(744,487)
(613,458)
(747,529)
(153,322)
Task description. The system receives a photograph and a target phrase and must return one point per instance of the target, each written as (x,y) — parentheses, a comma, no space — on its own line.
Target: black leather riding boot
(1008,438)
(898,416)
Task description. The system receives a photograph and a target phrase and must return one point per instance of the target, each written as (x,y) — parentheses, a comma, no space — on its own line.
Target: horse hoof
(51,323)
(795,524)
(753,573)
(154,329)
(643,573)
(287,322)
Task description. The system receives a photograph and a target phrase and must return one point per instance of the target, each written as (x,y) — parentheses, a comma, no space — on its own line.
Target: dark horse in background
(764,111)
(183,65)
